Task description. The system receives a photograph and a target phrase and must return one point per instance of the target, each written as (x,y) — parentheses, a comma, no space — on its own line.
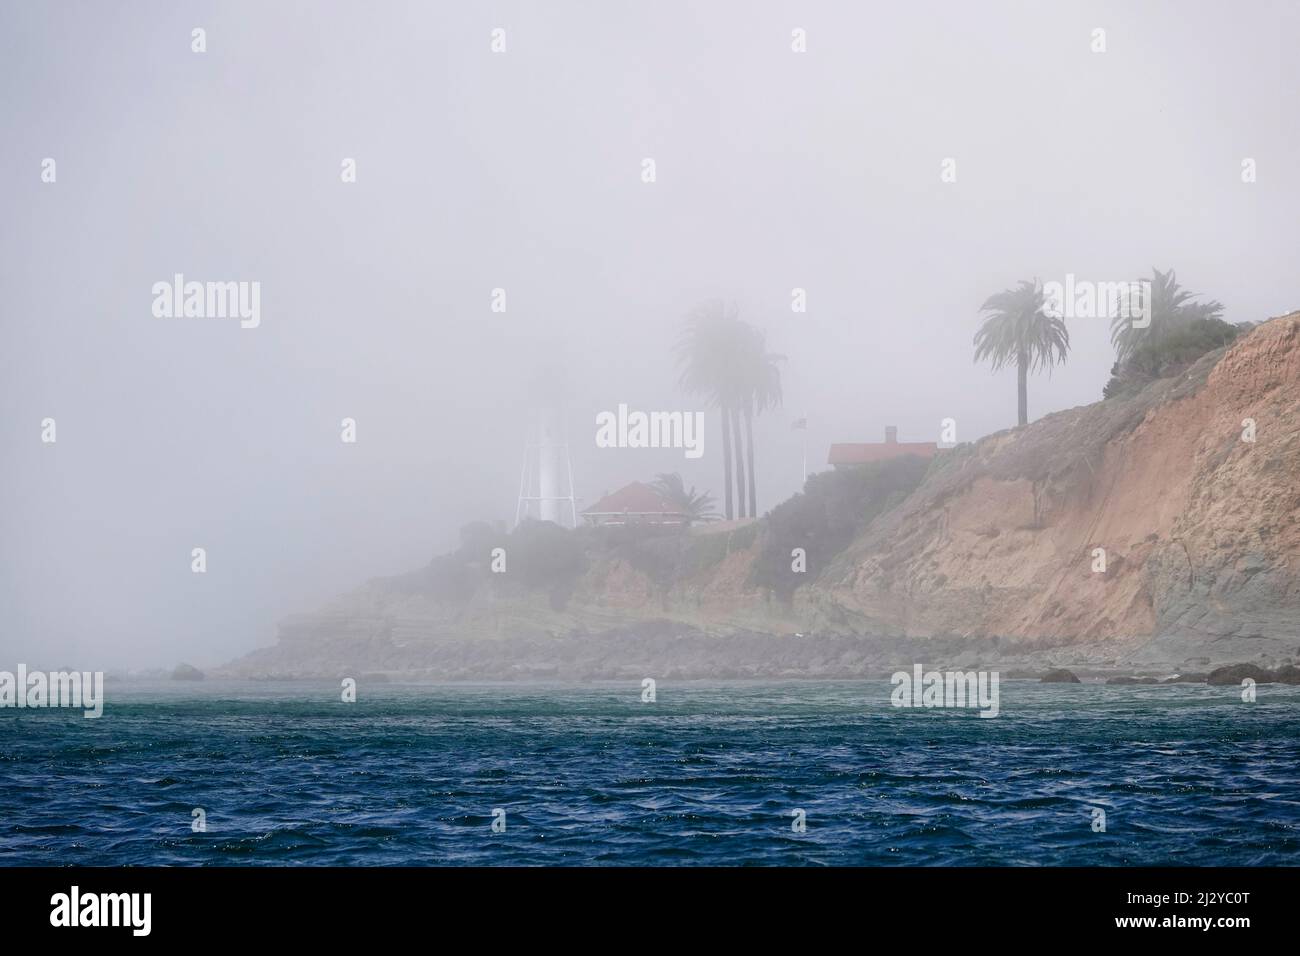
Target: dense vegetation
(539,554)
(1167,355)
(833,509)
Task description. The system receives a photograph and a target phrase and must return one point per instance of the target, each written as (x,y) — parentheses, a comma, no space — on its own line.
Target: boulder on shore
(1060,676)
(1236,673)
(1287,674)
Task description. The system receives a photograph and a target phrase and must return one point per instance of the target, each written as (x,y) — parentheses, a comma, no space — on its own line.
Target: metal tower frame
(530,473)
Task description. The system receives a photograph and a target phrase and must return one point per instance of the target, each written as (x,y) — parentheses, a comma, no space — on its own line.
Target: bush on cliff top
(833,509)
(1168,355)
(542,554)
(669,555)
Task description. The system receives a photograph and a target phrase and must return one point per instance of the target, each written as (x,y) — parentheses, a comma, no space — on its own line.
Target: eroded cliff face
(1200,528)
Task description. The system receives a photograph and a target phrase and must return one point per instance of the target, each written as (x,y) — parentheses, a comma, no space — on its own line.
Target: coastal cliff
(1188,491)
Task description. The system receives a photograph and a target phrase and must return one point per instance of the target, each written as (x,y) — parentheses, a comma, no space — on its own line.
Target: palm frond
(1017,328)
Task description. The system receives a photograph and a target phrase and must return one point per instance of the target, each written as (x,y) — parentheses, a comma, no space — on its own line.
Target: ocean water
(710,773)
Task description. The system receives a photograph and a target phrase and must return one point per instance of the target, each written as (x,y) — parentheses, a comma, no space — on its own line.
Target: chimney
(891,434)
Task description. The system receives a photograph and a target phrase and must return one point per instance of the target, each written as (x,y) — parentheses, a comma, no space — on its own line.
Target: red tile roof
(636,498)
(861,453)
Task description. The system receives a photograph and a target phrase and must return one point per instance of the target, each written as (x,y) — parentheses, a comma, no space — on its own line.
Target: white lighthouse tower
(546,479)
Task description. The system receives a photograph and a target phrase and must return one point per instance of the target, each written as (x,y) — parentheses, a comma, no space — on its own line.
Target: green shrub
(1168,355)
(709,550)
(542,554)
(662,552)
(823,520)
(833,509)
(743,537)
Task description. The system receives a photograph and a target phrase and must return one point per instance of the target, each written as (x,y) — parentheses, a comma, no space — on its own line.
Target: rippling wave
(708,774)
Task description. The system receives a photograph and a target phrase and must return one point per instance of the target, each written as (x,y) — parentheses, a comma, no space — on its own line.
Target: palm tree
(697,507)
(1172,310)
(701,354)
(1018,330)
(706,354)
(727,361)
(761,376)
(738,437)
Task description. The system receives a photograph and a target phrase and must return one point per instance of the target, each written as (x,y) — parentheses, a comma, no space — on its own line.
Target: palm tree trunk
(740,460)
(749,451)
(1022,383)
(726,457)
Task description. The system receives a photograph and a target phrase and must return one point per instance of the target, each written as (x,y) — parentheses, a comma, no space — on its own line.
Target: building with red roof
(861,453)
(637,503)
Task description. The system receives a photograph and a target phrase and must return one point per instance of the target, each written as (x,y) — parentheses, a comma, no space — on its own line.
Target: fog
(522,171)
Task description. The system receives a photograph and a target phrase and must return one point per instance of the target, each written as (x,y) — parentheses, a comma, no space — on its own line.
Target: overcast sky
(522,170)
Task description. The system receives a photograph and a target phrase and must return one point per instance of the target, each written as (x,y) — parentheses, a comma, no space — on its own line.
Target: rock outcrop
(1236,673)
(1060,676)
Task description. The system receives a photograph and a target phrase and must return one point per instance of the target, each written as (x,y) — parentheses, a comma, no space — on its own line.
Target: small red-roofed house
(637,503)
(846,455)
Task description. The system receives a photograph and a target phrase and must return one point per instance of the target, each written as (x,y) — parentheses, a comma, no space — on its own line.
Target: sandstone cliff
(1201,529)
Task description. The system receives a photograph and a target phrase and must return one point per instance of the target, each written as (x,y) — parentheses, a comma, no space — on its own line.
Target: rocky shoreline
(665,650)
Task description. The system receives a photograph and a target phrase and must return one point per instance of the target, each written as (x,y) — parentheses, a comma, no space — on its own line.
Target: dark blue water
(710,773)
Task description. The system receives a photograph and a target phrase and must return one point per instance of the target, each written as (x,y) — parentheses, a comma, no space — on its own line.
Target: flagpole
(805,451)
